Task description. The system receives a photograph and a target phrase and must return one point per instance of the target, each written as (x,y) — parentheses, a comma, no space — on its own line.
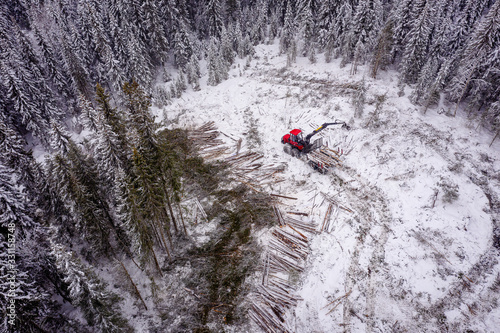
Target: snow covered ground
(417,253)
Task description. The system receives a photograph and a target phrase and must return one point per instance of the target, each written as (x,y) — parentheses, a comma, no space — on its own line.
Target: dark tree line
(117,193)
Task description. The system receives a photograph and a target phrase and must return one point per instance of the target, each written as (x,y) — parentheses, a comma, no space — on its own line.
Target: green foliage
(89,293)
(231,254)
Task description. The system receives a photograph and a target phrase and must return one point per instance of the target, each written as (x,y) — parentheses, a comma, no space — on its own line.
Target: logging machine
(318,157)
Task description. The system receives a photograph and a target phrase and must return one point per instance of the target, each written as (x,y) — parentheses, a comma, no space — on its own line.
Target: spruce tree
(87,292)
(153,27)
(25,270)
(75,178)
(214,18)
(402,18)
(217,68)
(288,31)
(306,11)
(479,56)
(418,41)
(183,50)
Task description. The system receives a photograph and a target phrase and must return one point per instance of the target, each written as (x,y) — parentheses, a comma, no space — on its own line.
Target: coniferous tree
(402,18)
(214,18)
(88,116)
(21,92)
(193,72)
(479,57)
(154,31)
(25,270)
(140,65)
(288,31)
(75,178)
(366,24)
(418,41)
(259,26)
(112,119)
(226,47)
(327,15)
(382,49)
(217,68)
(88,292)
(306,11)
(53,65)
(74,63)
(183,50)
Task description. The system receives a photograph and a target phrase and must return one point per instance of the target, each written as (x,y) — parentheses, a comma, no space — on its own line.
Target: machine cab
(295,138)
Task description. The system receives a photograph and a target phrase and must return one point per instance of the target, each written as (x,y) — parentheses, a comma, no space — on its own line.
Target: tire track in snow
(375,220)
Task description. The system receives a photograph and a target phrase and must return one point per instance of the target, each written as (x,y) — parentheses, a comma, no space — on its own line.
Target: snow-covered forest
(143,186)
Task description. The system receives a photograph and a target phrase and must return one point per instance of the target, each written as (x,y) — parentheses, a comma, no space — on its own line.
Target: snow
(403,252)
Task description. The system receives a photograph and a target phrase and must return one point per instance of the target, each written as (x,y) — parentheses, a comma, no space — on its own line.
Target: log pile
(247,167)
(206,140)
(326,157)
(286,253)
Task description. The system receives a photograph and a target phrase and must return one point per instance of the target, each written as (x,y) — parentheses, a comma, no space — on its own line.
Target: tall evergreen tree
(305,14)
(140,65)
(402,18)
(88,292)
(25,270)
(288,31)
(154,31)
(479,57)
(183,49)
(217,68)
(214,16)
(418,41)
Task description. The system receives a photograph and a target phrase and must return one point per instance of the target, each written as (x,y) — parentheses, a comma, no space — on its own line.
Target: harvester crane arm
(322,127)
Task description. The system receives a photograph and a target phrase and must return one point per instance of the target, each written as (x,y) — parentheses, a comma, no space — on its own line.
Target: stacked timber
(249,168)
(206,140)
(325,157)
(286,253)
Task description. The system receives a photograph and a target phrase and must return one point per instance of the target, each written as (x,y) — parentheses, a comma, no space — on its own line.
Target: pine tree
(382,49)
(217,70)
(25,276)
(161,96)
(481,49)
(288,31)
(306,11)
(341,32)
(226,47)
(75,178)
(140,65)
(366,24)
(418,41)
(183,50)
(327,15)
(21,92)
(88,116)
(153,28)
(136,221)
(53,65)
(193,72)
(402,19)
(427,75)
(112,119)
(214,18)
(60,138)
(88,292)
(433,93)
(259,26)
